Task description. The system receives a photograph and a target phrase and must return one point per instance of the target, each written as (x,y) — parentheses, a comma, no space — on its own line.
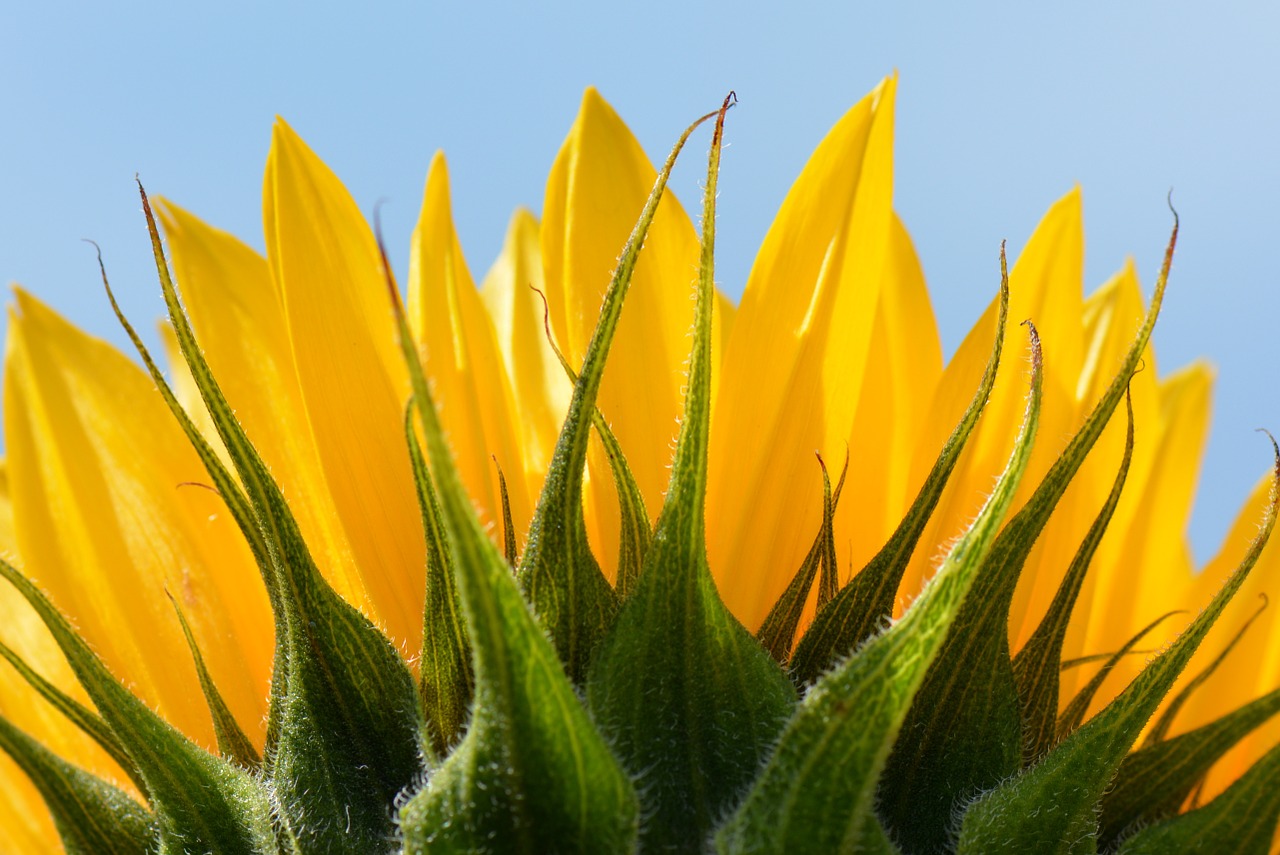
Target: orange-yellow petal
(104,523)
(794,365)
(325,265)
(462,359)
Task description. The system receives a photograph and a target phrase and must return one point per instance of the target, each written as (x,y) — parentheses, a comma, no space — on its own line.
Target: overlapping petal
(794,364)
(107,518)
(325,266)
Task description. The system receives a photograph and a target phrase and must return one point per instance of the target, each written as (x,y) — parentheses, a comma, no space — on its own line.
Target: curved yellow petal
(104,523)
(325,265)
(904,364)
(1046,286)
(794,365)
(541,389)
(468,375)
(238,317)
(597,188)
(25,825)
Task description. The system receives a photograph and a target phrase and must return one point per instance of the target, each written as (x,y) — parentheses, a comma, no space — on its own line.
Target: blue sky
(1001,110)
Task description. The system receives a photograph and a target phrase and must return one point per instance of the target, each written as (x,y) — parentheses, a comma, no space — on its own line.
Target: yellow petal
(794,365)
(542,390)
(325,265)
(904,364)
(596,190)
(1046,286)
(25,824)
(239,319)
(104,523)
(467,372)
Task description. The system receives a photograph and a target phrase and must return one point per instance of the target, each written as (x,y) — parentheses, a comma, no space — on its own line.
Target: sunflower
(681,547)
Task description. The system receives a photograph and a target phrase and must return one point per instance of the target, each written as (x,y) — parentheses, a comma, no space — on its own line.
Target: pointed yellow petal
(325,265)
(541,388)
(468,375)
(1046,285)
(238,316)
(904,364)
(103,522)
(794,366)
(596,190)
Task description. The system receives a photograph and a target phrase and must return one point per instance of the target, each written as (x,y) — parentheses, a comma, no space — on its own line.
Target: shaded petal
(904,364)
(463,362)
(236,311)
(25,824)
(794,365)
(596,190)
(541,389)
(325,265)
(103,523)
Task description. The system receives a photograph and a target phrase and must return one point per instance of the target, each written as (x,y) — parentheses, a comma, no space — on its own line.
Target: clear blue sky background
(1002,108)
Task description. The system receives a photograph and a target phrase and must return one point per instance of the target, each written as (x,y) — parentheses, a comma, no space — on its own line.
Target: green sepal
(531,774)
(634,534)
(817,792)
(1155,781)
(1038,666)
(866,602)
(965,736)
(1069,720)
(689,699)
(344,726)
(778,631)
(1012,818)
(1241,820)
(233,744)
(446,683)
(92,816)
(77,713)
(557,572)
(202,803)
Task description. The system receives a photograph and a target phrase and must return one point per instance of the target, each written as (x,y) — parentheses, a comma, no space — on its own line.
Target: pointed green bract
(532,774)
(778,631)
(76,713)
(689,699)
(508,528)
(633,534)
(558,573)
(343,723)
(447,683)
(964,736)
(201,803)
(1037,666)
(233,744)
(1242,820)
(1015,817)
(817,792)
(866,601)
(1154,782)
(92,816)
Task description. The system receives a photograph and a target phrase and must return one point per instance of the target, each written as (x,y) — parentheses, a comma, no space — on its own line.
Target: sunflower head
(549,566)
